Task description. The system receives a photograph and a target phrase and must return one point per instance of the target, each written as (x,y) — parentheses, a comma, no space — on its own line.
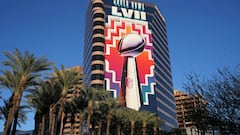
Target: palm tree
(112,105)
(80,103)
(132,115)
(54,90)
(20,118)
(4,110)
(9,80)
(94,96)
(67,79)
(25,69)
(42,97)
(69,109)
(98,117)
(118,119)
(157,122)
(35,99)
(74,106)
(146,118)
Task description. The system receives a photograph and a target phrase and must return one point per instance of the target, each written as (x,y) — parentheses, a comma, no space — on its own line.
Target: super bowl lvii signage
(129,64)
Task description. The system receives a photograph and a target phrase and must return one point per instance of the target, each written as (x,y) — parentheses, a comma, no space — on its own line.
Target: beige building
(190,111)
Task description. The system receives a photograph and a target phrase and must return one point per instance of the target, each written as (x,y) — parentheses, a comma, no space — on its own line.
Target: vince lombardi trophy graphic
(130,46)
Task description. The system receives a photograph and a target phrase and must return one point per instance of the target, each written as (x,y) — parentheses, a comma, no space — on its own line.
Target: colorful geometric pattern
(115,29)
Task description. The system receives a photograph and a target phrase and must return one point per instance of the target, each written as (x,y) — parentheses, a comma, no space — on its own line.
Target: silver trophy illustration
(130,46)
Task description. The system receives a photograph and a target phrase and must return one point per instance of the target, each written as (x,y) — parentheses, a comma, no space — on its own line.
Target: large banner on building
(129,62)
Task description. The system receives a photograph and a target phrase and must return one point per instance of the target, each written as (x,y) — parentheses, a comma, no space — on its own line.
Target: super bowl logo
(129,9)
(129,64)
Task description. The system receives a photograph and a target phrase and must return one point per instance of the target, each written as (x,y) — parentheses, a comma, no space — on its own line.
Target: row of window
(98,31)
(97,48)
(172,121)
(98,39)
(169,104)
(98,57)
(96,15)
(97,67)
(95,23)
(98,5)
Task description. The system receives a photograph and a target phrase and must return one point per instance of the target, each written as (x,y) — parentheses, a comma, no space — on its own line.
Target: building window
(98,31)
(98,15)
(97,67)
(98,57)
(98,48)
(98,23)
(98,39)
(97,5)
(97,77)
(100,86)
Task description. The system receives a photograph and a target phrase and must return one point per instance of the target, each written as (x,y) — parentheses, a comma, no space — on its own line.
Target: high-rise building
(126,52)
(190,112)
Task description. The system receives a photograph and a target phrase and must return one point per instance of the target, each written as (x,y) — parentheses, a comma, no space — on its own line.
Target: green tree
(67,79)
(147,118)
(104,111)
(74,107)
(4,110)
(132,115)
(157,122)
(41,97)
(112,105)
(69,110)
(222,93)
(94,97)
(98,118)
(25,69)
(119,119)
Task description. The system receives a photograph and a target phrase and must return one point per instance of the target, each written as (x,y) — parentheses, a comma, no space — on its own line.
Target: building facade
(190,112)
(126,52)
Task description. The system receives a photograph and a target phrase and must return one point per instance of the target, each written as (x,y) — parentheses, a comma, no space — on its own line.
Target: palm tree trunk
(99,127)
(80,123)
(8,122)
(62,124)
(16,104)
(90,104)
(51,117)
(154,130)
(43,124)
(93,130)
(59,116)
(14,128)
(144,129)
(132,127)
(8,131)
(109,117)
(72,122)
(119,129)
(53,121)
(39,128)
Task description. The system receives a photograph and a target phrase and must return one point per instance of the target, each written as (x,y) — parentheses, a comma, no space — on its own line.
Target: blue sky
(203,35)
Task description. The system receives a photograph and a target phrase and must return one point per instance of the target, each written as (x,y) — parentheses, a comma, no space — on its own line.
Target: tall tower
(126,49)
